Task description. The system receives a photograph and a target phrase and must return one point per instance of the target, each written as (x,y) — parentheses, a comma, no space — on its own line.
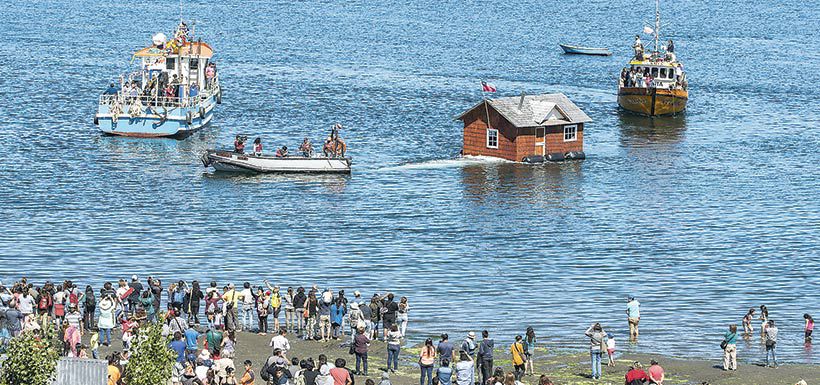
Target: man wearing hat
(469,345)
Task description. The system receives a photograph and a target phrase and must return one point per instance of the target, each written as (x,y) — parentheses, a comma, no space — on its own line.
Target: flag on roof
(487,87)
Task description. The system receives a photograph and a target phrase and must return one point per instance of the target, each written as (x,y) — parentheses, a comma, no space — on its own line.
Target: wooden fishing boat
(575,50)
(653,84)
(230,161)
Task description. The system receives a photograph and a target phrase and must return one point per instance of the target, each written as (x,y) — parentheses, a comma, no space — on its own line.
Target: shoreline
(562,366)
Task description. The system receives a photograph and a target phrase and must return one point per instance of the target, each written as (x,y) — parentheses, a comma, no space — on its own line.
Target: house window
(570,133)
(492,138)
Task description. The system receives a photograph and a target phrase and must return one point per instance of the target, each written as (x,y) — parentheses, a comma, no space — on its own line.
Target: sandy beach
(562,368)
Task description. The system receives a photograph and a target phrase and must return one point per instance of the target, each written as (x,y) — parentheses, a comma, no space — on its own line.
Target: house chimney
(521,102)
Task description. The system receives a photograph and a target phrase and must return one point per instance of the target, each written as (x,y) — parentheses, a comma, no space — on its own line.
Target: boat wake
(446,163)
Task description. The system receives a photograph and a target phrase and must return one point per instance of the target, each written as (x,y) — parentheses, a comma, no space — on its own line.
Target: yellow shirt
(233,296)
(113,375)
(517,351)
(275,300)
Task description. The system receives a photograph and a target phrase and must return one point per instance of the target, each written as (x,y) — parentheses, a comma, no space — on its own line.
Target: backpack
(264,371)
(73,298)
(90,301)
(43,305)
(300,378)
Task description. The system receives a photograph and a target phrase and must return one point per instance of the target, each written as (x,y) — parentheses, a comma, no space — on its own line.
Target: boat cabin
(527,126)
(664,74)
(188,63)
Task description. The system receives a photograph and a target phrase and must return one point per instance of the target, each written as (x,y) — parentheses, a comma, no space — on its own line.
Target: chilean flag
(487,87)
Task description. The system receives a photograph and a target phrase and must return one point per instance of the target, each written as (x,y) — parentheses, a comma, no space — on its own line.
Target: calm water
(700,216)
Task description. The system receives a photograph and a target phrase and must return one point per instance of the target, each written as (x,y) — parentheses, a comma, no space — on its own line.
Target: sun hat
(106,304)
(354,306)
(356,293)
(205,355)
(471,335)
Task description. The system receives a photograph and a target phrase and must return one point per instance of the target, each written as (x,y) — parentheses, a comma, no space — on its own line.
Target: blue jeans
(247,318)
(361,358)
(595,356)
(770,350)
(107,334)
(393,357)
(426,370)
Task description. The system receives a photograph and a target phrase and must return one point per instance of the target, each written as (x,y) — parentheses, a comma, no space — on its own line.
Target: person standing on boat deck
(257,146)
(670,46)
(111,90)
(193,90)
(306,148)
(633,314)
(638,47)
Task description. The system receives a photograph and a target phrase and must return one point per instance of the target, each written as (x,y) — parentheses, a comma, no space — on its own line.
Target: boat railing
(125,101)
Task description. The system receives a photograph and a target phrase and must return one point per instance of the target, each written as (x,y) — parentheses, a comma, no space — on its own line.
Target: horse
(334,148)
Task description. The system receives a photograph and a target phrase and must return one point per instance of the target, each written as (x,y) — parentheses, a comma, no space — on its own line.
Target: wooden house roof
(535,110)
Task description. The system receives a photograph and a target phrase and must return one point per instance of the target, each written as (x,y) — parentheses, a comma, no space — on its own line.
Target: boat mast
(657,24)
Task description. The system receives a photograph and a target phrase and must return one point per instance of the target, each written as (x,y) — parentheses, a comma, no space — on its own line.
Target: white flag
(648,30)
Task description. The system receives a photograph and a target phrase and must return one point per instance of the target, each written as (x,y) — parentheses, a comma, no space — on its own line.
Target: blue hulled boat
(173,93)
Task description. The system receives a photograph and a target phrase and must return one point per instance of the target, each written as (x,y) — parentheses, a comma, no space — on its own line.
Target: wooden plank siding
(513,143)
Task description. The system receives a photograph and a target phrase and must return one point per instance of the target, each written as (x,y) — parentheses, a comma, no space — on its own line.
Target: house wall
(475,135)
(555,140)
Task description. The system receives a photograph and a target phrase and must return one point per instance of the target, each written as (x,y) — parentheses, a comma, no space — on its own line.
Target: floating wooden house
(528,128)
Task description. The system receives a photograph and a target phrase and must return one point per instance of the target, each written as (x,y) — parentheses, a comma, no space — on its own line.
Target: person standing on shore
(389,313)
(518,359)
(290,312)
(402,316)
(262,309)
(299,301)
(730,348)
(529,350)
(360,347)
(469,346)
(485,356)
(195,295)
(445,349)
(809,327)
(747,322)
(427,357)
(770,334)
(394,339)
(375,315)
(596,336)
(610,349)
(633,314)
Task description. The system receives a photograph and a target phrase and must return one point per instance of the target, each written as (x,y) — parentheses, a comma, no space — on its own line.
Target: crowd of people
(205,342)
(333,145)
(162,89)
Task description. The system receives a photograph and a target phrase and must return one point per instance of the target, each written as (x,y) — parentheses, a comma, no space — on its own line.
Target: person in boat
(111,90)
(257,146)
(306,148)
(282,152)
(670,46)
(193,90)
(638,47)
(210,73)
(239,144)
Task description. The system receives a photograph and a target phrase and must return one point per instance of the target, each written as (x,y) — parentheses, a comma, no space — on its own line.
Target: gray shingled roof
(535,110)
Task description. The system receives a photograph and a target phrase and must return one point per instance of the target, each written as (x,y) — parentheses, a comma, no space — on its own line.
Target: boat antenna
(657,24)
(180,11)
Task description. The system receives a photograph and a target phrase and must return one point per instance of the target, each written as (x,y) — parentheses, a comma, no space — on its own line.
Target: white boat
(576,50)
(231,161)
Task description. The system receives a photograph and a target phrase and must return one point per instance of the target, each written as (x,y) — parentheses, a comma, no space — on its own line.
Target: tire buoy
(202,112)
(189,118)
(219,97)
(96,120)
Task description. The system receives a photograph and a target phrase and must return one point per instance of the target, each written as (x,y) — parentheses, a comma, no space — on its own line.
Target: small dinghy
(230,161)
(575,50)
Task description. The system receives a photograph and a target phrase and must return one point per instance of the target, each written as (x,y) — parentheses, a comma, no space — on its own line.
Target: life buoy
(189,117)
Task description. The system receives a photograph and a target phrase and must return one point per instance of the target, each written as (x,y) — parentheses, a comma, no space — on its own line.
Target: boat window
(655,72)
(194,64)
(570,133)
(492,138)
(671,73)
(170,64)
(663,73)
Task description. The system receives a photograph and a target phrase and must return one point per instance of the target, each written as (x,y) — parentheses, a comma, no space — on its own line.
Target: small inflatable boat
(230,161)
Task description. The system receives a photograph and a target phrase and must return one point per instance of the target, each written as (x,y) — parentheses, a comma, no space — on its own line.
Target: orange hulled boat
(655,83)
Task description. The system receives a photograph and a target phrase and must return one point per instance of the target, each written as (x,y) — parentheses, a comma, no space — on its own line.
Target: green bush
(151,361)
(32,360)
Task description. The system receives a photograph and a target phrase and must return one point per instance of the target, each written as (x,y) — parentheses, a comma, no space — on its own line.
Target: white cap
(134,277)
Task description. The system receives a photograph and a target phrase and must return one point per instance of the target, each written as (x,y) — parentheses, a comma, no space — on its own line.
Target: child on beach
(764,319)
(610,348)
(747,322)
(809,327)
(95,345)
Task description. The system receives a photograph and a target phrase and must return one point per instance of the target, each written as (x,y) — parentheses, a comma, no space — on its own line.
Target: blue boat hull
(157,122)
